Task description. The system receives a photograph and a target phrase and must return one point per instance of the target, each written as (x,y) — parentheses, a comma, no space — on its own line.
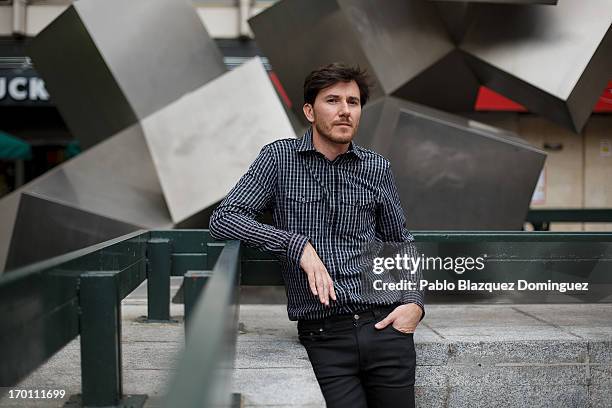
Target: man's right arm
(235,217)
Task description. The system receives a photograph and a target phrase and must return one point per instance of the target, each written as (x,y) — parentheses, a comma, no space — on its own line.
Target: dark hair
(333,73)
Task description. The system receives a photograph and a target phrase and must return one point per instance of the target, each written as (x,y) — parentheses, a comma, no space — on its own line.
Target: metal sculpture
(452,173)
(403,44)
(554,60)
(105,77)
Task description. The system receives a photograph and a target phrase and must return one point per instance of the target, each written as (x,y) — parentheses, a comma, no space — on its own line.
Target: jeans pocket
(399,331)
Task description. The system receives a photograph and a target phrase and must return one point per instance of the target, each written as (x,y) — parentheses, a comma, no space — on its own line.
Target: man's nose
(344,108)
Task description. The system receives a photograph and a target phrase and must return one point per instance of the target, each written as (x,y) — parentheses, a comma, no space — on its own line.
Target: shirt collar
(305,145)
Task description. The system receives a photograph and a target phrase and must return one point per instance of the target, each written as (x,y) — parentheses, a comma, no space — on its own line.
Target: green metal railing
(203,376)
(508,256)
(46,305)
(541,218)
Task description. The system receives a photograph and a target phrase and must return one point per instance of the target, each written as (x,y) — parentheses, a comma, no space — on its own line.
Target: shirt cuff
(418,302)
(295,248)
(422,310)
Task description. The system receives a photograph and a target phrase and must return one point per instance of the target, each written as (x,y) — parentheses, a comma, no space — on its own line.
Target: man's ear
(308,112)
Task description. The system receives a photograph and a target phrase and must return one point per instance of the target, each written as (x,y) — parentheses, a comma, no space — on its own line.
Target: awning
(13,148)
(72,149)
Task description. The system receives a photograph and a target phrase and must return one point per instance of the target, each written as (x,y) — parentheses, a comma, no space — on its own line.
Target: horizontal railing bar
(131,277)
(570,215)
(56,261)
(511,236)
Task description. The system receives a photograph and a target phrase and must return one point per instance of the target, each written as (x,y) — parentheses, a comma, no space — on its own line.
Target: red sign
(489,100)
(605,100)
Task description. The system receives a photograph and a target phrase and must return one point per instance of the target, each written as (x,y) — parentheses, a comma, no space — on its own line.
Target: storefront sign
(22,87)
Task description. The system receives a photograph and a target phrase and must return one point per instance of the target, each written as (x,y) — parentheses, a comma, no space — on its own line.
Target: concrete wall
(598,167)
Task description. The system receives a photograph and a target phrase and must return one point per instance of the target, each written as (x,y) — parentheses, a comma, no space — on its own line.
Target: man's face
(336,112)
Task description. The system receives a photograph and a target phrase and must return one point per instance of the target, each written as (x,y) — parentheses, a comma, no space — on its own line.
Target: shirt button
(356,317)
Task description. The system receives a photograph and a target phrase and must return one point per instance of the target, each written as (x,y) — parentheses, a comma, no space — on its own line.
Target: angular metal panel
(115,179)
(46,228)
(299,36)
(80,83)
(202,143)
(397,43)
(456,16)
(9,206)
(452,173)
(554,60)
(158,50)
(111,75)
(400,38)
(455,90)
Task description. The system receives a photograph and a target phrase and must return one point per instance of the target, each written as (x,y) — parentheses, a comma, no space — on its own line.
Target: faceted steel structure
(456,17)
(554,60)
(202,143)
(45,228)
(113,183)
(452,173)
(402,43)
(166,170)
(171,131)
(105,77)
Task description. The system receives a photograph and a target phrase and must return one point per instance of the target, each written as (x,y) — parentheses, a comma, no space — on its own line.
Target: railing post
(159,265)
(193,285)
(100,339)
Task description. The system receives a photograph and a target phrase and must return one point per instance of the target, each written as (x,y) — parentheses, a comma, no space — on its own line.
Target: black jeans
(358,365)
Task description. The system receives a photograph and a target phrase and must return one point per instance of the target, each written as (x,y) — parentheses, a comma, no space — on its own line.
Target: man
(330,200)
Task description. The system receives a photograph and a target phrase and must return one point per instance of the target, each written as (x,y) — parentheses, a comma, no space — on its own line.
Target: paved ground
(468,355)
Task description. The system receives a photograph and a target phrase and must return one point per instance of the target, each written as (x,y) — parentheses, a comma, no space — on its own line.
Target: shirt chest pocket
(357,213)
(357,198)
(356,195)
(309,194)
(304,209)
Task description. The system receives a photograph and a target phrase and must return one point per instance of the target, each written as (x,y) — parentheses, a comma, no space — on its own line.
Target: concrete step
(467,356)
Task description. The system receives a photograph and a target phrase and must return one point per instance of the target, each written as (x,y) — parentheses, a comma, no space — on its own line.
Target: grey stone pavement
(467,356)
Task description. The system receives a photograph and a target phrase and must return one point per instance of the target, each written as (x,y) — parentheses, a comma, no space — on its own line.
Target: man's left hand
(404,318)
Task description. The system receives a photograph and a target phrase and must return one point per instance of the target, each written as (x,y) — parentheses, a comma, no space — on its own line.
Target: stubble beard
(327,134)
